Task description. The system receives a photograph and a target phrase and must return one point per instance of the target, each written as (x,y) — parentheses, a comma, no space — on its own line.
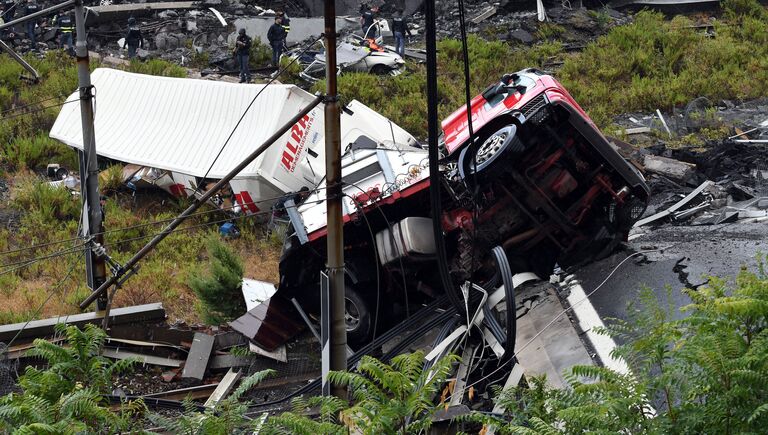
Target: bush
(225,418)
(220,293)
(260,55)
(52,204)
(111,179)
(31,152)
(388,399)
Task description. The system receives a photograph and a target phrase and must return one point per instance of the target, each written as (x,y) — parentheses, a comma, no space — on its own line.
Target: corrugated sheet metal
(179,124)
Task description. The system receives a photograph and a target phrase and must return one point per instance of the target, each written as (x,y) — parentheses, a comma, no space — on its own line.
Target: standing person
(66,30)
(366,20)
(31,8)
(276,38)
(400,29)
(286,23)
(242,51)
(9,10)
(133,39)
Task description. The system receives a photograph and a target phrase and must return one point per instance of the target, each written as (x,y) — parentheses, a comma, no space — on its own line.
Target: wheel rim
(351,315)
(490,147)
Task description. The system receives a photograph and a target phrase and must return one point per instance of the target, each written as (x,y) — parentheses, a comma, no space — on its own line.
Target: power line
(32,112)
(13,109)
(82,247)
(157,222)
(30,261)
(40,308)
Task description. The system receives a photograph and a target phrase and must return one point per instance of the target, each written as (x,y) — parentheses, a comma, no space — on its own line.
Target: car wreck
(355,55)
(536,178)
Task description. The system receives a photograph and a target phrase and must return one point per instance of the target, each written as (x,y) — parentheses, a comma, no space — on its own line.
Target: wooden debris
(491,11)
(637,130)
(145,359)
(227,361)
(197,392)
(224,388)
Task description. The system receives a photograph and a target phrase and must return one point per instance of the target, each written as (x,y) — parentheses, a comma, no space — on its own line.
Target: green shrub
(549,30)
(220,292)
(51,203)
(31,152)
(225,418)
(261,53)
(387,399)
(200,60)
(111,179)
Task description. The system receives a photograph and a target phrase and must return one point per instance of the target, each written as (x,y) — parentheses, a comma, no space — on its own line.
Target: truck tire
(357,316)
(490,151)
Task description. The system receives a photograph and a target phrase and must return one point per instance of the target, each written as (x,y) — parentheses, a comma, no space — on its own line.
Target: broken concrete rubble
(671,168)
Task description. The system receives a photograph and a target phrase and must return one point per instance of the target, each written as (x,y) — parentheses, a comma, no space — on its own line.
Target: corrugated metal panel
(269,324)
(179,124)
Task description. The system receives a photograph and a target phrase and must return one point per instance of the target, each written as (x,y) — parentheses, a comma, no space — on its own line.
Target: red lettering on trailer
(287,160)
(248,202)
(296,143)
(178,190)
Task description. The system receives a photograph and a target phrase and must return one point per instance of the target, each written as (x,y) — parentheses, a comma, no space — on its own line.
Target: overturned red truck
(540,180)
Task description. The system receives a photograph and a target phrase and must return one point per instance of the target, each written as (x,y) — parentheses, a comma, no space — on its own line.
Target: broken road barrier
(675,207)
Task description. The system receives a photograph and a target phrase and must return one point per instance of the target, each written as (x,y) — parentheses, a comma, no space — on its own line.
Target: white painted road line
(589,319)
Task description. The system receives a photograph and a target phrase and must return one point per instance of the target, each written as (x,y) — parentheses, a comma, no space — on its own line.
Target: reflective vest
(65,24)
(286,23)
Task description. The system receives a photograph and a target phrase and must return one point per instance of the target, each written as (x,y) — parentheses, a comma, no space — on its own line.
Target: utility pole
(338,331)
(95,266)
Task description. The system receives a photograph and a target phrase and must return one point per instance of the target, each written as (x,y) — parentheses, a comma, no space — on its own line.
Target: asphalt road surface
(686,256)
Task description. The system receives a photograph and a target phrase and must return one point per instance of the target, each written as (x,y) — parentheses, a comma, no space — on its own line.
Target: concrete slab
(199,354)
(556,348)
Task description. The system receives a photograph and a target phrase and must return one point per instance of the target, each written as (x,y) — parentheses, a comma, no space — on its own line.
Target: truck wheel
(489,151)
(357,317)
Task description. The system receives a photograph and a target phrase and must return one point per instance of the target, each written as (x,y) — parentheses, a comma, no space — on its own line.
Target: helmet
(131,21)
(241,31)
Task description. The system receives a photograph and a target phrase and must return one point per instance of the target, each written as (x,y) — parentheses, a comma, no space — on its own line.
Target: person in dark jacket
(9,10)
(242,52)
(66,26)
(133,39)
(286,23)
(31,8)
(276,37)
(400,30)
(367,20)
